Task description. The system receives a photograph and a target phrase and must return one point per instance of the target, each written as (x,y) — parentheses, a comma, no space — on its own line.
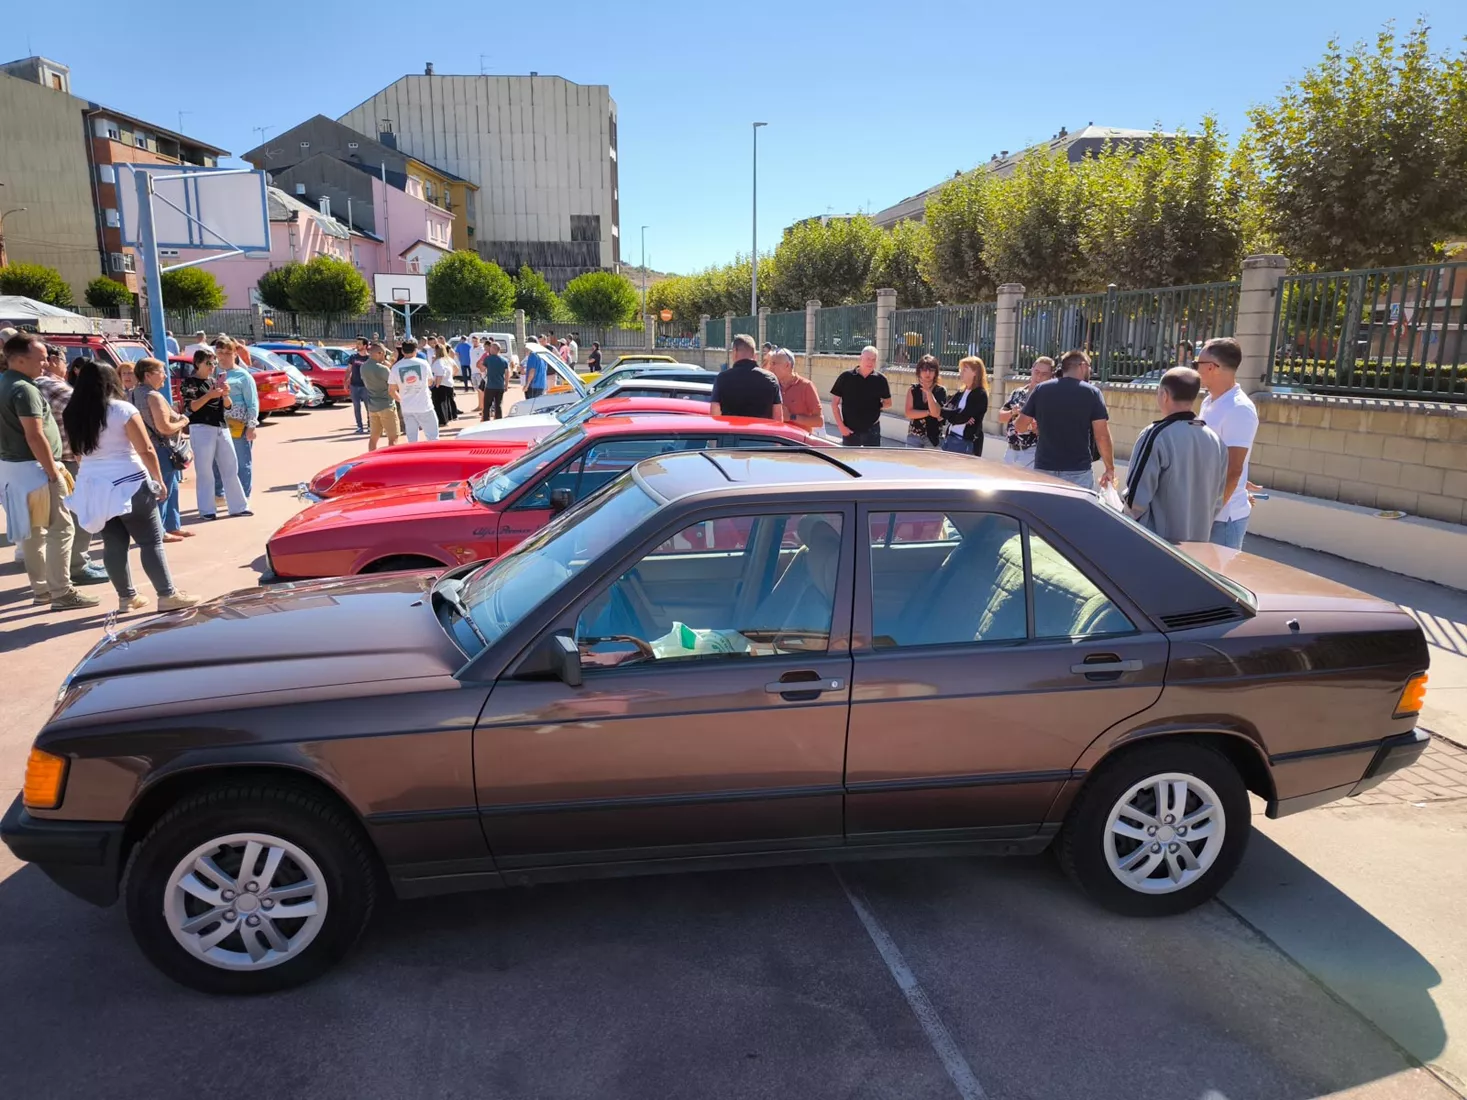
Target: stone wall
(1407,456)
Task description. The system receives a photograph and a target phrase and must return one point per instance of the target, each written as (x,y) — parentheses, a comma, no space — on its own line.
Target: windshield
(580,411)
(501,593)
(556,364)
(495,485)
(131,352)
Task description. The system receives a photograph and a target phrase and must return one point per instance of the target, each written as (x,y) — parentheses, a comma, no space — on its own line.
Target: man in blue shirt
(465,352)
(244,411)
(533,373)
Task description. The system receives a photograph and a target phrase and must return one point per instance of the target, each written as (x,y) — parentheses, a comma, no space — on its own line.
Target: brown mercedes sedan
(723,658)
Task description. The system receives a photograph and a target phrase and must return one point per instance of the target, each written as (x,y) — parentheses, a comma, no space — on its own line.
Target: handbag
(180,451)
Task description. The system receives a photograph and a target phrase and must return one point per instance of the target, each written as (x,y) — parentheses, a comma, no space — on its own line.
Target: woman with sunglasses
(205,399)
(924,405)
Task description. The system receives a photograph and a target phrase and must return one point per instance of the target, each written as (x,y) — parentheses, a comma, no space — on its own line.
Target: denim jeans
(168,507)
(1024,458)
(867,437)
(142,525)
(80,559)
(1083,478)
(1229,532)
(921,441)
(244,453)
(359,406)
(213,445)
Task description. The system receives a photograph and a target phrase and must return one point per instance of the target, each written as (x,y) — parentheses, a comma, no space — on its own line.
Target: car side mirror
(556,655)
(560,500)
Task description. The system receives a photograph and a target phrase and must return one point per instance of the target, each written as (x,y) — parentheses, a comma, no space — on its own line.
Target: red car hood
(383,506)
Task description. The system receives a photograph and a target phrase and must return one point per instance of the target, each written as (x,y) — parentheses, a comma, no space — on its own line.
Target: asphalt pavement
(908,980)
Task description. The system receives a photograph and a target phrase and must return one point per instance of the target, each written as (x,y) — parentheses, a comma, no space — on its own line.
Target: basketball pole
(152,272)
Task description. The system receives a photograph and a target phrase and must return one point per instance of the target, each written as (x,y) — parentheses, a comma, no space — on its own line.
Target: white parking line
(963,1078)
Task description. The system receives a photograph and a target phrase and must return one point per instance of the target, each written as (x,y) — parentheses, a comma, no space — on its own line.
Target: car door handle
(808,689)
(1106,666)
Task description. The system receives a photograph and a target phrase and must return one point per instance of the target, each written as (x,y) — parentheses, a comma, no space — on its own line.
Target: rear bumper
(1394,754)
(82,857)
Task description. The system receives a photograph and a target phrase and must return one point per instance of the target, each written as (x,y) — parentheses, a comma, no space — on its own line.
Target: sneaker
(91,573)
(73,602)
(40,597)
(128,604)
(246,512)
(176,602)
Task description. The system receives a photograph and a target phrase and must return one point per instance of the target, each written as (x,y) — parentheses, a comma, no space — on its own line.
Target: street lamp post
(3,216)
(754,283)
(644,273)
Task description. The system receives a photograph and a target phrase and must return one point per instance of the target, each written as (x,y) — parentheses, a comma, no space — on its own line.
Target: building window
(140,140)
(106,173)
(122,261)
(114,220)
(56,83)
(585,227)
(414,266)
(168,253)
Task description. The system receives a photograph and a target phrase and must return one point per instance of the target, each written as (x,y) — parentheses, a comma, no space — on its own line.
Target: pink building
(415,234)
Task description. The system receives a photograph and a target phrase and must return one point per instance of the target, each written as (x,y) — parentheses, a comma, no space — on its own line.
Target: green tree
(105,293)
(1163,215)
(601,298)
(191,288)
(328,285)
(957,222)
(532,293)
(464,284)
(37,281)
(1033,222)
(903,260)
(831,262)
(1363,160)
(274,286)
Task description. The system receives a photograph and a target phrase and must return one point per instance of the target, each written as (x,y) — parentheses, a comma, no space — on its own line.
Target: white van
(506,341)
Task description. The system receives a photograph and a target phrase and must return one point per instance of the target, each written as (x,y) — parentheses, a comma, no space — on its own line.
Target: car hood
(1279,587)
(516,428)
(301,640)
(392,505)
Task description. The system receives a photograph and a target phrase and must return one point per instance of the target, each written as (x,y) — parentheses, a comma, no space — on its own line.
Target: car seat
(804,595)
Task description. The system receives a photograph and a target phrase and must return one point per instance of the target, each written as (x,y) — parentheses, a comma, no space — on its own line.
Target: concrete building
(333,161)
(1076,147)
(115,138)
(541,149)
(45,179)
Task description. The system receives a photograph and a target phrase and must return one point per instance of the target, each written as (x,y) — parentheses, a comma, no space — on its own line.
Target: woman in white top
(118,484)
(445,364)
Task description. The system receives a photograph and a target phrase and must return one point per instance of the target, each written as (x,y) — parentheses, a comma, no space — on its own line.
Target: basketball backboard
(207,208)
(401,290)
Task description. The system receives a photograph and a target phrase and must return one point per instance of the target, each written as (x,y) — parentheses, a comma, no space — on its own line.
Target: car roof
(673,477)
(696,424)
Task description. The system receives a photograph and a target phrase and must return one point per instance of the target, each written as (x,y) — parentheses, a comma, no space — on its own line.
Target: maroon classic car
(882,652)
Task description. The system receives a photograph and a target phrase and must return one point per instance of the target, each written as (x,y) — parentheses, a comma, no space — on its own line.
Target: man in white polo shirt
(1228,411)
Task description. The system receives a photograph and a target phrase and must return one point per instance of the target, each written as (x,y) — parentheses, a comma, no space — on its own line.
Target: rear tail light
(45,776)
(1413,697)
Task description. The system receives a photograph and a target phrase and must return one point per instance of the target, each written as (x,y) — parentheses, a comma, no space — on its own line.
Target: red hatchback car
(454,459)
(316,365)
(433,525)
(273,386)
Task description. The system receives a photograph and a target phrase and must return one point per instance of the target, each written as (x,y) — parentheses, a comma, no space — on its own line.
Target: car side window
(945,578)
(1067,604)
(601,462)
(732,588)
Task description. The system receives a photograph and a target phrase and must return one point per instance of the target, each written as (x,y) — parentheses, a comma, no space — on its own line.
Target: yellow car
(622,360)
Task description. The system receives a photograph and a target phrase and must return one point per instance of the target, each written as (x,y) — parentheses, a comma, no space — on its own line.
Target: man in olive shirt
(381,412)
(30,463)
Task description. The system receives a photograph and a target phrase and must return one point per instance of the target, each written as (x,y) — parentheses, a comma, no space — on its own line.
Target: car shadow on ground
(720,984)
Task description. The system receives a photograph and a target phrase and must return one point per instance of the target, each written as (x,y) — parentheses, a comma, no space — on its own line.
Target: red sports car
(454,459)
(316,365)
(427,526)
(273,386)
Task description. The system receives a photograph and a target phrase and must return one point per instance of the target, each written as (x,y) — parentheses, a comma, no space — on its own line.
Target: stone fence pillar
(885,307)
(1257,305)
(763,334)
(812,325)
(1005,347)
(519,331)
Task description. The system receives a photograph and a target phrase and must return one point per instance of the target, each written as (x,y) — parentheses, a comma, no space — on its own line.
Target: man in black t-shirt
(354,384)
(746,389)
(1069,412)
(856,401)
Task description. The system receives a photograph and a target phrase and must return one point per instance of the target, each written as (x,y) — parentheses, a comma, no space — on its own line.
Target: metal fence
(461,324)
(845,330)
(1053,326)
(949,332)
(1148,331)
(746,326)
(624,337)
(717,337)
(1389,331)
(786,330)
(183,323)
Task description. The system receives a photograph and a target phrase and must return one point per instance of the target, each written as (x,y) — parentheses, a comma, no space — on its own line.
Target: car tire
(315,838)
(1139,857)
(264,416)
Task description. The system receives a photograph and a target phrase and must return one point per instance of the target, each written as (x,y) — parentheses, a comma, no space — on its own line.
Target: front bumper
(1394,754)
(82,857)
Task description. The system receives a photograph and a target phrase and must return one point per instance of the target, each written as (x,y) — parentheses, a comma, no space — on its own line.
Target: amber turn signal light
(45,775)
(1413,696)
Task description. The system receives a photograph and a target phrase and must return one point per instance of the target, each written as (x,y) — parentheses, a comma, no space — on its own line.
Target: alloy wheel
(1164,833)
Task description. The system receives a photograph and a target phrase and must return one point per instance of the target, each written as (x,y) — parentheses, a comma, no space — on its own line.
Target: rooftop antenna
(180,119)
(483,69)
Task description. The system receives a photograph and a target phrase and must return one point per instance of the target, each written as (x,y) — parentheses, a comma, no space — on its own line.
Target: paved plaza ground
(1333,965)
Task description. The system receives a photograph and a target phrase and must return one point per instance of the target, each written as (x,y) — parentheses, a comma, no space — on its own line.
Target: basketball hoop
(401,295)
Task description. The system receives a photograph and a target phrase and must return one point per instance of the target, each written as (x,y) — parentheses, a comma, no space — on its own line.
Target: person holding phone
(205,400)
(118,485)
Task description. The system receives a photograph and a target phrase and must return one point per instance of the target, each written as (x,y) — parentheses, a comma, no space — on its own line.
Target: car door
(711,719)
(987,656)
(582,474)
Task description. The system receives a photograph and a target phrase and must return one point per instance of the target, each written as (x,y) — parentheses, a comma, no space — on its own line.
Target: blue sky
(866,103)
